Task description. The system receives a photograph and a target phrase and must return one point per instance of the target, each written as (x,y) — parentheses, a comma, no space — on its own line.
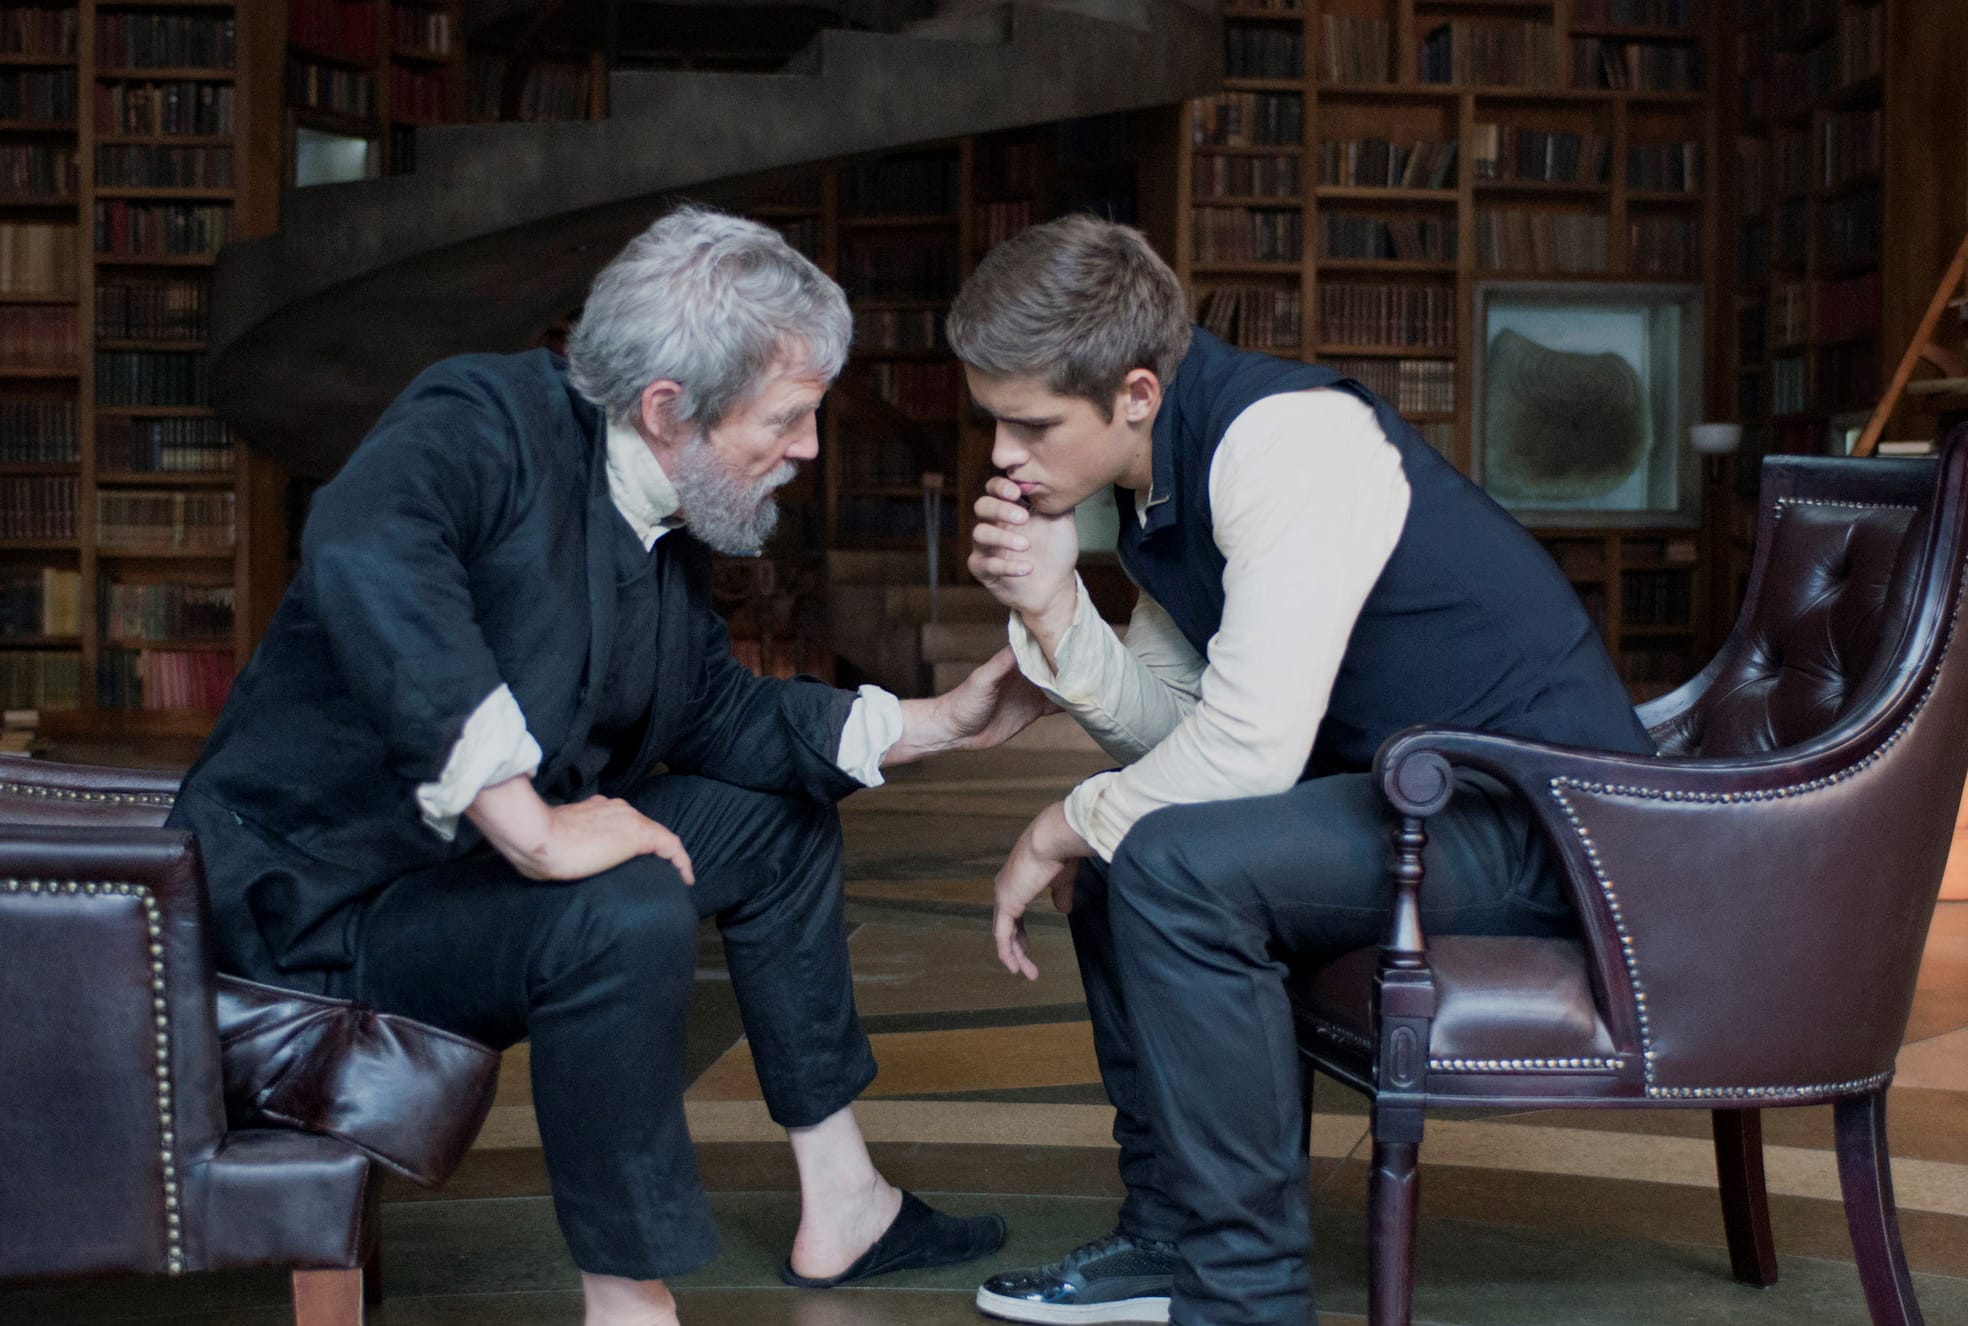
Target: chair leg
(1865,1174)
(1745,1201)
(328,1298)
(1392,1200)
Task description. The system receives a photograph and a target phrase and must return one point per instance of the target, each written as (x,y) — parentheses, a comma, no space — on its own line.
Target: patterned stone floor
(988,1100)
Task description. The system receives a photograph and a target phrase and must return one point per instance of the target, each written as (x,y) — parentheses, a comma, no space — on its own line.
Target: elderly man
(493,760)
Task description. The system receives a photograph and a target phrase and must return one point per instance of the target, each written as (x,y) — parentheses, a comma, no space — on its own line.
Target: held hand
(588,837)
(1025,558)
(1045,858)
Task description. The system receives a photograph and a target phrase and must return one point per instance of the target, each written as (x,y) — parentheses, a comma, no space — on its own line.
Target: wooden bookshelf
(369,72)
(1371,162)
(149,168)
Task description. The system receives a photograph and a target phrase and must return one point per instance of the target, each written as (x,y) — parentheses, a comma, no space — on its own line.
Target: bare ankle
(614,1301)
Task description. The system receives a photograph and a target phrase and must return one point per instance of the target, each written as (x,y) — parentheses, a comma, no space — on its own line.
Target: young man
(493,760)
(1313,578)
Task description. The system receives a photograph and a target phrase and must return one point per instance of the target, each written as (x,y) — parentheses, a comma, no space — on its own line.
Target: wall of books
(361,76)
(121,494)
(1371,162)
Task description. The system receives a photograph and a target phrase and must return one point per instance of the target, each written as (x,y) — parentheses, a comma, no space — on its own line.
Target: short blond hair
(1079,302)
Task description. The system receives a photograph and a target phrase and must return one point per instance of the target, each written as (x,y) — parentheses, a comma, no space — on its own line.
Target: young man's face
(1058,449)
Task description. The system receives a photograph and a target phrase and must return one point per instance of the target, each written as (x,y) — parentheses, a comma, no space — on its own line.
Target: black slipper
(920,1237)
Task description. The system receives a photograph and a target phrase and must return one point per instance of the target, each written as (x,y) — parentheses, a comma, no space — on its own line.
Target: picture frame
(1582,396)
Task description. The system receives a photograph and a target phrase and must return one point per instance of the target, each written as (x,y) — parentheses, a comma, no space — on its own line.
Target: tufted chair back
(1829,593)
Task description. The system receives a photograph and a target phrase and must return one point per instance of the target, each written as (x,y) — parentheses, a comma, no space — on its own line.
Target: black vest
(1470,625)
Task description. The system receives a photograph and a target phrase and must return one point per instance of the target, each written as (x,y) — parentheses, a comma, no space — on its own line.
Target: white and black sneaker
(1113,1279)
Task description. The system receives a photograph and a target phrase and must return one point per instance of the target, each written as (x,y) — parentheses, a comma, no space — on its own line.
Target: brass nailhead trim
(97,798)
(1523,1065)
(160,1014)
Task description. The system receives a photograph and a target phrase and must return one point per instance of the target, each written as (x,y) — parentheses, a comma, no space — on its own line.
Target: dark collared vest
(1470,625)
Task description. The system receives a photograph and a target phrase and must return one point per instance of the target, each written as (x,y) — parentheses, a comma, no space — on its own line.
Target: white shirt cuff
(1058,683)
(494,746)
(874,724)
(1089,816)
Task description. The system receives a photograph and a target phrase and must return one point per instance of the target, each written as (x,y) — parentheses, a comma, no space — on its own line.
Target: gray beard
(726,513)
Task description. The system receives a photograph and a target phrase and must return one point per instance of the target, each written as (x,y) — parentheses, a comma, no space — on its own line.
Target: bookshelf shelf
(326,55)
(38,204)
(1244,268)
(1618,32)
(163,479)
(1263,84)
(37,126)
(1248,150)
(40,642)
(1368,194)
(1334,350)
(1383,265)
(19,60)
(32,373)
(177,75)
(1665,197)
(922,221)
(134,191)
(156,259)
(154,411)
(40,545)
(129,552)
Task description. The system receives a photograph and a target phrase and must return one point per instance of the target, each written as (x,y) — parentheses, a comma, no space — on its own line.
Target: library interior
(1680,285)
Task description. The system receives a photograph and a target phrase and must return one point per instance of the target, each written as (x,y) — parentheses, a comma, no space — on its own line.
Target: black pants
(1182,944)
(598,975)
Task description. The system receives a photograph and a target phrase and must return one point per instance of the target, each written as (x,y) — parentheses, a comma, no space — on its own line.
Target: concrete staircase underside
(503,225)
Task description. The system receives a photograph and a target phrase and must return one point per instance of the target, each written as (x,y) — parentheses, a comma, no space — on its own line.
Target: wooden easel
(1951,360)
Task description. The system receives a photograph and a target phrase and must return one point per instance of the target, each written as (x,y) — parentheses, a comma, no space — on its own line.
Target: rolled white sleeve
(874,723)
(1308,499)
(494,746)
(1127,696)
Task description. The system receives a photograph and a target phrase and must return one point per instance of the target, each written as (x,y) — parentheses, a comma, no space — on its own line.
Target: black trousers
(598,975)
(1183,943)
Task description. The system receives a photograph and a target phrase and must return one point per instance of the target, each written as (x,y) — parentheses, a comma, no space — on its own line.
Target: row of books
(1355,49)
(164,519)
(890,519)
(1420,317)
(1507,152)
(163,41)
(1412,386)
(1848,307)
(1518,240)
(147,377)
(1403,238)
(899,267)
(39,170)
(41,601)
(40,678)
(163,679)
(1664,246)
(1856,52)
(38,337)
(1254,317)
(1642,66)
(161,167)
(136,613)
(38,432)
(1473,52)
(418,95)
(315,86)
(40,31)
(1248,234)
(180,106)
(1848,228)
(164,446)
(1848,376)
(152,310)
(920,185)
(551,91)
(1247,177)
(37,258)
(1849,147)
(921,391)
(1657,598)
(1790,314)
(898,329)
(1664,167)
(1382,164)
(871,460)
(1248,119)
(1006,170)
(334,27)
(421,29)
(1262,50)
(127,229)
(40,506)
(1635,13)
(39,96)
(805,233)
(998,222)
(1439,434)
(1789,386)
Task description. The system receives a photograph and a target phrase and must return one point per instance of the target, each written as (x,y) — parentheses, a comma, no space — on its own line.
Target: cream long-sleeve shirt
(495,744)
(1308,499)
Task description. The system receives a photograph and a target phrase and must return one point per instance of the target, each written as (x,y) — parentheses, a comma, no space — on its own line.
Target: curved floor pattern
(988,1100)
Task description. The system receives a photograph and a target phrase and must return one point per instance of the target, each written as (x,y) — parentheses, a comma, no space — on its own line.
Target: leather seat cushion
(1497,997)
(275,1197)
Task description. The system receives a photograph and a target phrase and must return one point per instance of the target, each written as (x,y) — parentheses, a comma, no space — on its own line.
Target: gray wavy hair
(708,301)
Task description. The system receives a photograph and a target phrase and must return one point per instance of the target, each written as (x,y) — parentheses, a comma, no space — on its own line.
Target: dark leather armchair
(158,1119)
(1753,903)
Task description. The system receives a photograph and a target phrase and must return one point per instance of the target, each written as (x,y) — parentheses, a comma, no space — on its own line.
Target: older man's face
(726,475)
(778,424)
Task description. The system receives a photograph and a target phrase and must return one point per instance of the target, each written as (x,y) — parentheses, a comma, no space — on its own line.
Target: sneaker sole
(1091,1314)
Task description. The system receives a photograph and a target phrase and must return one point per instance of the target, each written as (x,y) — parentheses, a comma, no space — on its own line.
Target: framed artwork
(1583,395)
